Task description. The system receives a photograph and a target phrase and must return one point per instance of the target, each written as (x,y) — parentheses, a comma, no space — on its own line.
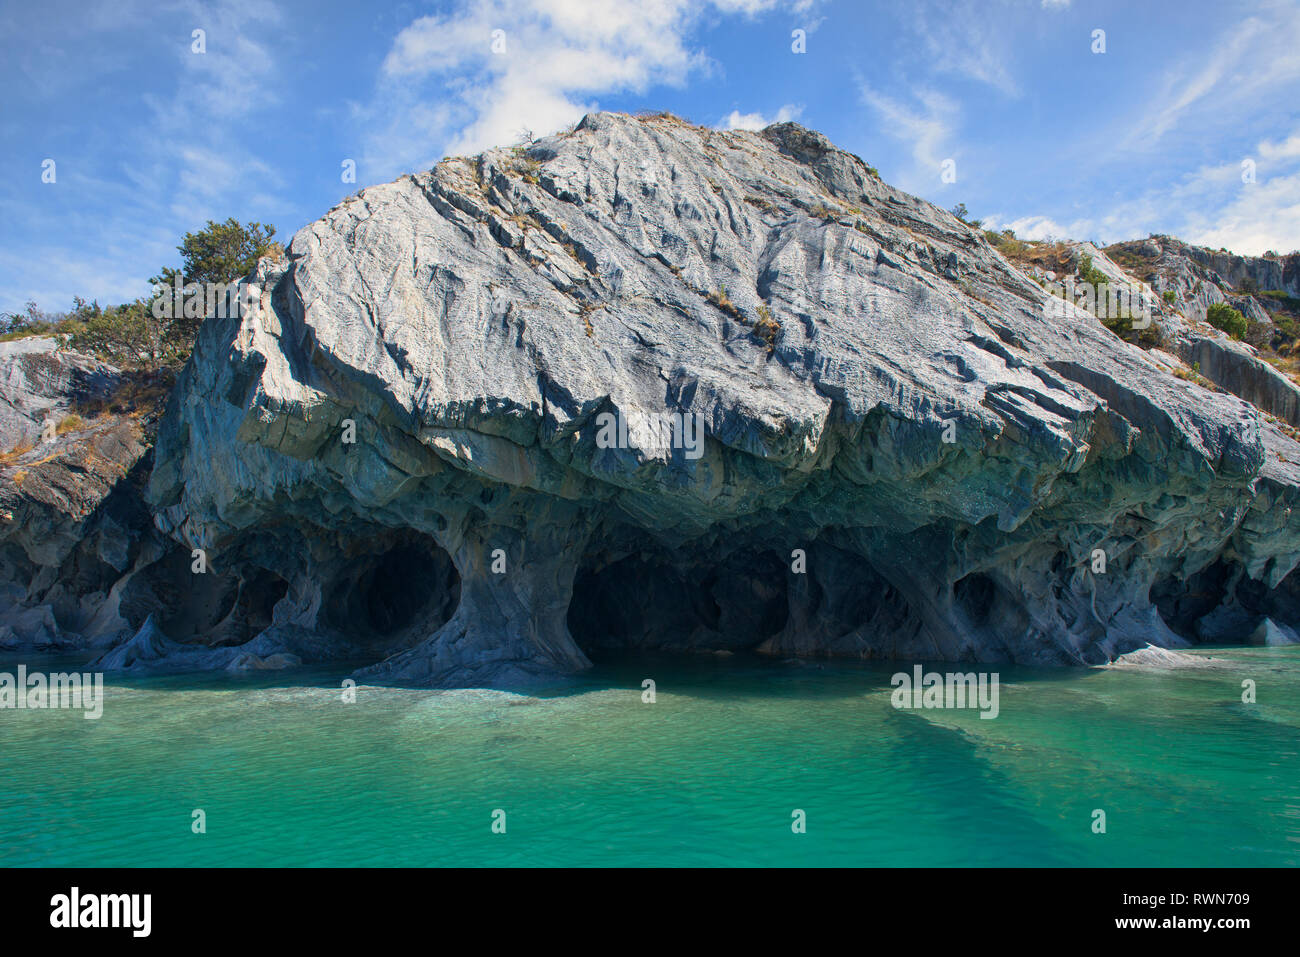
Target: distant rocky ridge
(1188,343)
(394,457)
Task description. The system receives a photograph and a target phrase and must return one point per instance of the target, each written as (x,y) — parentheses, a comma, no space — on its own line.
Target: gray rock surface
(474,321)
(150,651)
(1271,634)
(73,524)
(1153,658)
(39,382)
(394,456)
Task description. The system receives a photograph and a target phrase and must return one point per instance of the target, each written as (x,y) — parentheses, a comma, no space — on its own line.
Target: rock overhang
(471,324)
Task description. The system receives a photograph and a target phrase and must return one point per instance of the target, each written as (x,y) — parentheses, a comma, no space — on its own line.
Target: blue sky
(150,139)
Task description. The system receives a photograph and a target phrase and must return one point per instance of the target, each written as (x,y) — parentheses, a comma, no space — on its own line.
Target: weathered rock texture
(905,454)
(72,517)
(1197,278)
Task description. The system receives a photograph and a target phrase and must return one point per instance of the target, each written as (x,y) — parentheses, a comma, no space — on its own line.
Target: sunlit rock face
(73,522)
(401,453)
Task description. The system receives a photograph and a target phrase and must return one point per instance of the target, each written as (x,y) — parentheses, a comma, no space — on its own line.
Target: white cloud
(736,120)
(1246,217)
(927,130)
(1254,60)
(120,219)
(211,174)
(1044,227)
(235,77)
(1055,4)
(551,58)
(1213,207)
(967,41)
(54,270)
(1288,149)
(1209,207)
(1265,216)
(236,73)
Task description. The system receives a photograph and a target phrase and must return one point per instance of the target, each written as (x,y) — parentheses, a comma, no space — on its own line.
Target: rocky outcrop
(1169,268)
(1281,273)
(903,453)
(454,437)
(72,516)
(1239,370)
(1200,277)
(40,383)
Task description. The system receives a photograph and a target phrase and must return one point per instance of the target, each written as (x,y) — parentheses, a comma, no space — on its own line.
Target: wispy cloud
(736,120)
(497,67)
(1214,205)
(967,41)
(926,128)
(120,213)
(1248,214)
(152,140)
(1259,55)
(235,76)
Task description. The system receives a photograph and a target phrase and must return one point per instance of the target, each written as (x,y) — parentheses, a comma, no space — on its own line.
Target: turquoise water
(709,774)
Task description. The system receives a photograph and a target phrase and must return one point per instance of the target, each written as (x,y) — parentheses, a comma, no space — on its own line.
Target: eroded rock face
(73,523)
(397,455)
(904,454)
(40,382)
(1195,278)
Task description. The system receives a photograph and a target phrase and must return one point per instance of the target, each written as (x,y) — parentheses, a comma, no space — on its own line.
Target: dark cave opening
(1221,604)
(396,588)
(850,604)
(976,594)
(259,593)
(410,588)
(222,606)
(661,600)
(1184,602)
(220,609)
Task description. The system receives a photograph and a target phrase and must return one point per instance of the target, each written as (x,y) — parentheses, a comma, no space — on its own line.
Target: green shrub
(1287,325)
(1089,273)
(1282,299)
(1222,316)
(1170,295)
(70,423)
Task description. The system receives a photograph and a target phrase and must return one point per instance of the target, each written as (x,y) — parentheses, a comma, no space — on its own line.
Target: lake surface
(709,774)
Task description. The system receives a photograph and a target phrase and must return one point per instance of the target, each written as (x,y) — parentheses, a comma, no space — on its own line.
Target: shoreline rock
(395,454)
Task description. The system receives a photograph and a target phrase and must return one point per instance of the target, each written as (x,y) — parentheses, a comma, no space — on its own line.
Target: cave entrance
(1222,604)
(217,608)
(399,592)
(1185,603)
(977,596)
(652,599)
(259,593)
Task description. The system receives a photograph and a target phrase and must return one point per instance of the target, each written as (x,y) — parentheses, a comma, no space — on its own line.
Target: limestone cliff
(395,455)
